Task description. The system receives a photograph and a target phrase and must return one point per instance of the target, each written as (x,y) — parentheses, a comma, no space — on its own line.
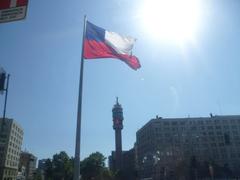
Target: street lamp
(150,159)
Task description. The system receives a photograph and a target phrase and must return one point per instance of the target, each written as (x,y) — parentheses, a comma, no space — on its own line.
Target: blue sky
(42,54)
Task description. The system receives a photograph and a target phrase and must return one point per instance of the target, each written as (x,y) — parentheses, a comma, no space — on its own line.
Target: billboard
(12,10)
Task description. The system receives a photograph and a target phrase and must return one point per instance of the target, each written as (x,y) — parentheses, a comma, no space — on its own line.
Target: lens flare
(174,20)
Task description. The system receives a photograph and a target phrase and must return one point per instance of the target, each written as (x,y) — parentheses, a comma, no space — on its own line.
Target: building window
(210,133)
(233,155)
(166,123)
(221,144)
(227,139)
(210,127)
(226,127)
(213,145)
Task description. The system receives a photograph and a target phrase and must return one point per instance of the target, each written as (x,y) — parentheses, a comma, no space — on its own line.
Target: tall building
(167,146)
(117,114)
(28,161)
(122,162)
(11,137)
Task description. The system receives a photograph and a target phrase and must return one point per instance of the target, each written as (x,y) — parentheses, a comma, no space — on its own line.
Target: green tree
(93,168)
(107,174)
(49,170)
(59,168)
(62,166)
(37,175)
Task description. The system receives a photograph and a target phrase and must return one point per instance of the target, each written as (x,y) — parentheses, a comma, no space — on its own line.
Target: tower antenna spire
(117,100)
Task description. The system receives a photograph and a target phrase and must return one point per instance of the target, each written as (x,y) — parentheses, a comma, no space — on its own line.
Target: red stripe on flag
(22,2)
(95,50)
(4,4)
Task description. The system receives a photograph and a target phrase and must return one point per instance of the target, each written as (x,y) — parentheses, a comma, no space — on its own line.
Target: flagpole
(79,112)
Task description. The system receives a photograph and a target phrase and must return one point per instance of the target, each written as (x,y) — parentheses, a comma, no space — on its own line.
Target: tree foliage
(59,168)
(62,166)
(48,170)
(92,168)
(37,175)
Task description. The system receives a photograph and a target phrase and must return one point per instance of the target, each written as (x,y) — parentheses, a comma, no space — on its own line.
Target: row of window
(167,122)
(10,172)
(11,157)
(14,145)
(11,163)
(13,151)
(194,128)
(17,129)
(16,140)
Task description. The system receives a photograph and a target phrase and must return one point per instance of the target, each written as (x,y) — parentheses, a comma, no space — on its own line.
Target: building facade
(11,137)
(28,161)
(171,146)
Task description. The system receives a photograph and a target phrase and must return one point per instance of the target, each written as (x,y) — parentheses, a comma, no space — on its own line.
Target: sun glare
(172,20)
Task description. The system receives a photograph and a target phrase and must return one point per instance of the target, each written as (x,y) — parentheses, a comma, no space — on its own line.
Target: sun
(172,20)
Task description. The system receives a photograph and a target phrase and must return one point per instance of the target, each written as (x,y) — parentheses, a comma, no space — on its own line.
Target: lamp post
(151,159)
(211,171)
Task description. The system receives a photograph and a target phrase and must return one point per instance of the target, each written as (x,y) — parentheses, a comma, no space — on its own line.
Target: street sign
(12,10)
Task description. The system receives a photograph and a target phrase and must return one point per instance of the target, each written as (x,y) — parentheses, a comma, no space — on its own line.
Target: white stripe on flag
(121,44)
(13,3)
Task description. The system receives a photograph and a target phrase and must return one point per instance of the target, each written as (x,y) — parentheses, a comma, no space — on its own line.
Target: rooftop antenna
(211,115)
(117,100)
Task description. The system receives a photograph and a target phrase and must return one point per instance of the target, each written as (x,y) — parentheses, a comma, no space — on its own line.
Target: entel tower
(118,126)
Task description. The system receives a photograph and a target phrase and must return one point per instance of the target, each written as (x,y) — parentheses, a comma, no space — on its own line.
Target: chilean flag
(5,4)
(99,43)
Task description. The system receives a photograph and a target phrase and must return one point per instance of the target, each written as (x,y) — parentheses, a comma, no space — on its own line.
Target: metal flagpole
(79,112)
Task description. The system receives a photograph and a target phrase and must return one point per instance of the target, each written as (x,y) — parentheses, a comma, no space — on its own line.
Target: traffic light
(2,81)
